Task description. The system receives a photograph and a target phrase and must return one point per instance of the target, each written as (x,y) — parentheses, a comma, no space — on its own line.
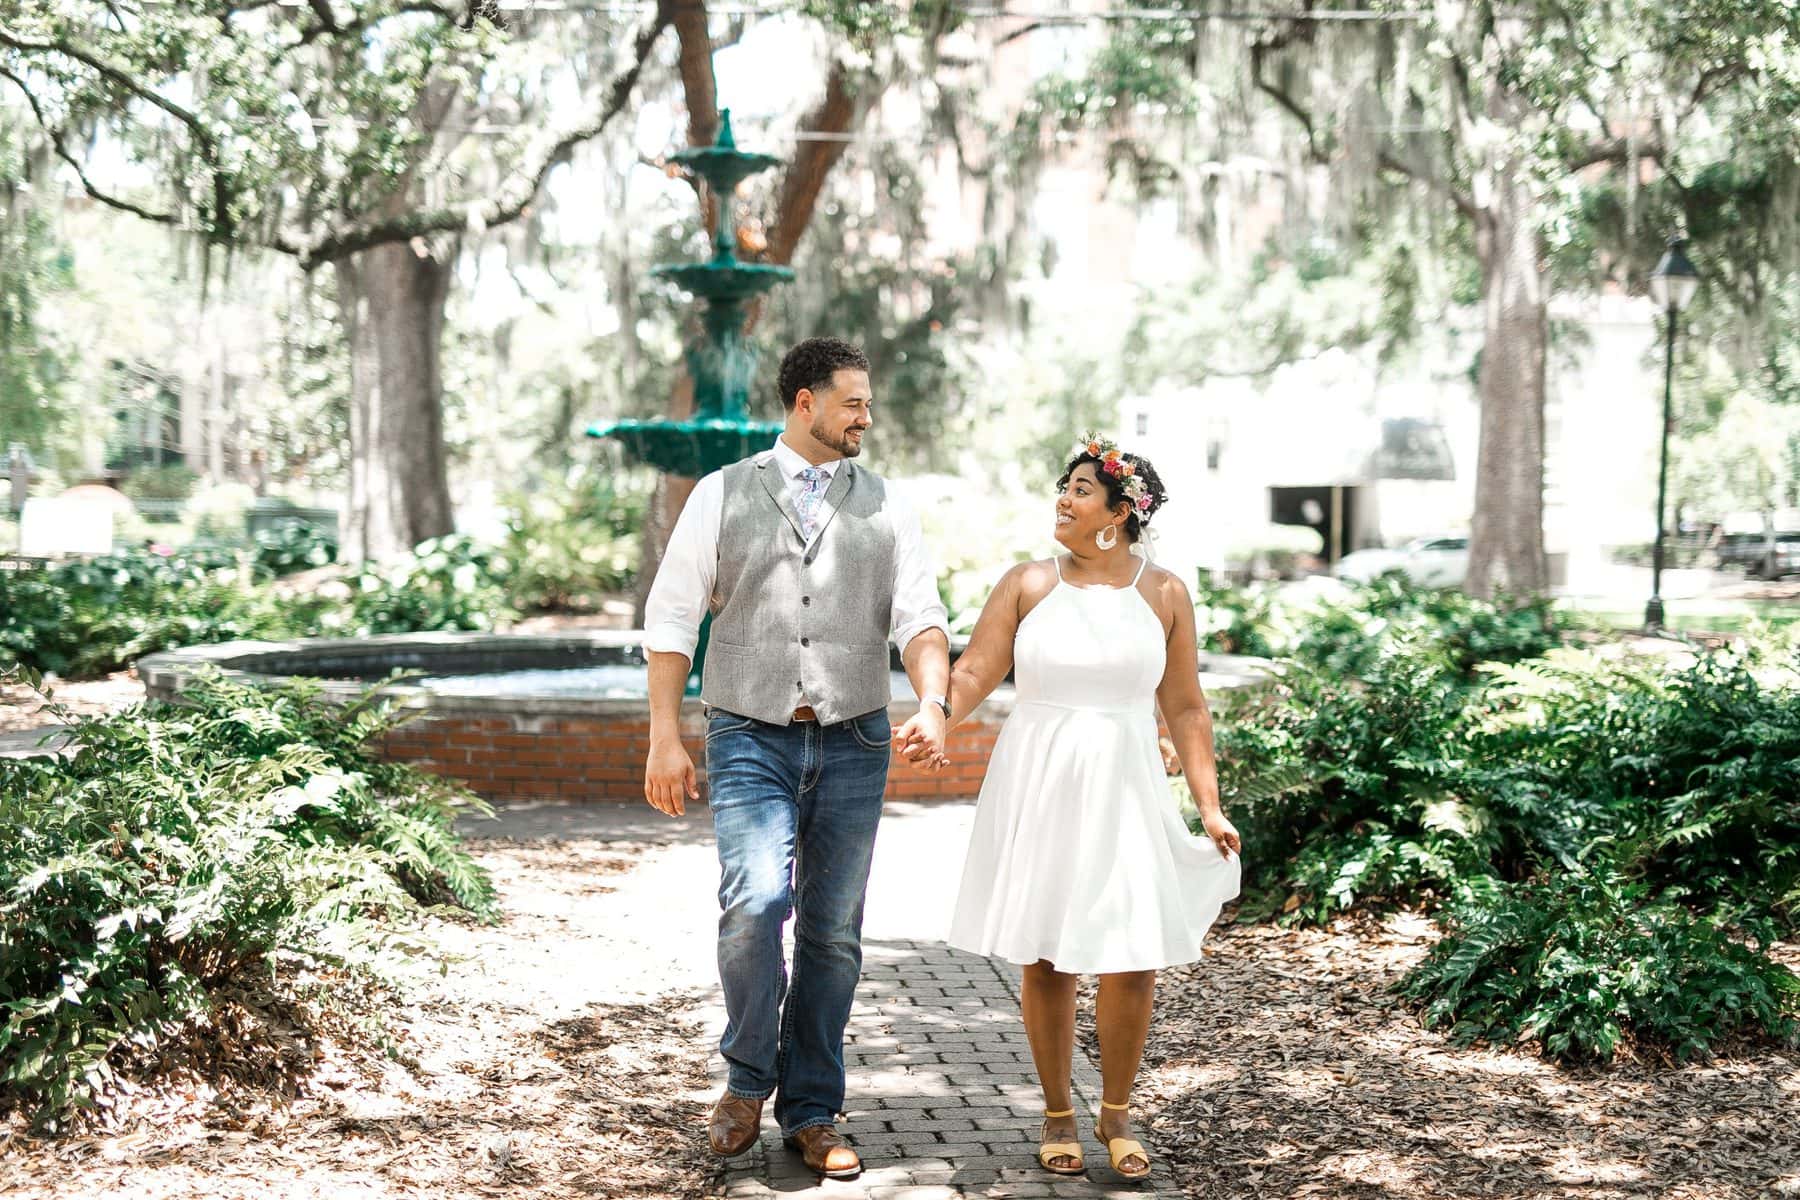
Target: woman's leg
(1047,1004)
(1123,1017)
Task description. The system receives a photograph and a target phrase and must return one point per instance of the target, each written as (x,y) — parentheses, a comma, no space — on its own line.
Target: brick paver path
(942,1100)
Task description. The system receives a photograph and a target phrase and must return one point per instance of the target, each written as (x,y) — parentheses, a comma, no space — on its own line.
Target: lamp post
(1672,285)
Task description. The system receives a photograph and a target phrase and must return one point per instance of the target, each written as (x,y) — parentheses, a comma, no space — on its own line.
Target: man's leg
(840,807)
(753,773)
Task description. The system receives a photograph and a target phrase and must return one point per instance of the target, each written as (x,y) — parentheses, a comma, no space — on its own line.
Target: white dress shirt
(684,583)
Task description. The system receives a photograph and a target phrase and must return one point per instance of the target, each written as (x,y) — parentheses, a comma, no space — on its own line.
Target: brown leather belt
(805,713)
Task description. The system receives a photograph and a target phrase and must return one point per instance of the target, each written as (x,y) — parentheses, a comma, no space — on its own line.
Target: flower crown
(1114,463)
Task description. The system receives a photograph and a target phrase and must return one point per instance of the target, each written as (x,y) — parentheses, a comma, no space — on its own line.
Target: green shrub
(1691,774)
(447,583)
(1346,636)
(1581,961)
(1233,620)
(570,545)
(246,835)
(1349,789)
(88,617)
(1413,779)
(293,546)
(160,483)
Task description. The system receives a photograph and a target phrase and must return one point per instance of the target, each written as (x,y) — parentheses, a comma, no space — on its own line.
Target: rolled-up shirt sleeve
(917,606)
(682,590)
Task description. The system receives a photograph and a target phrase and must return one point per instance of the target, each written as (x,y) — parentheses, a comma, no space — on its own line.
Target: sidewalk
(942,1100)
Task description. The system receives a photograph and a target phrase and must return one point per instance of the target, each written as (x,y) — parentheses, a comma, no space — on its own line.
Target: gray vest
(796,622)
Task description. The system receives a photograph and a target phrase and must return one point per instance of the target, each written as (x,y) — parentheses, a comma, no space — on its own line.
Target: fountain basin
(559,717)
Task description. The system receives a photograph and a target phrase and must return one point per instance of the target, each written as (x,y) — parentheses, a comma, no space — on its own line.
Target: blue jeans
(794,811)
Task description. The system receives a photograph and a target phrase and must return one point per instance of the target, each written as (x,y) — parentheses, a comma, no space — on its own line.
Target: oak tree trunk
(392,303)
(1506,546)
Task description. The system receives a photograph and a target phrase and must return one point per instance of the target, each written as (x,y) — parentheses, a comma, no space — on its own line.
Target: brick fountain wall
(556,748)
(585,759)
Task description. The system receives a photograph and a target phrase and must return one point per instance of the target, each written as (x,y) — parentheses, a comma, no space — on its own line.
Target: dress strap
(1140,571)
(1056,561)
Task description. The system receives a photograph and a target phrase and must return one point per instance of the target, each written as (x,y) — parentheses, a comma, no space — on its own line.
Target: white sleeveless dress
(1079,855)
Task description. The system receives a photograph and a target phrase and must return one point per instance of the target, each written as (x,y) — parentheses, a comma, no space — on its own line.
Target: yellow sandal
(1051,1150)
(1121,1148)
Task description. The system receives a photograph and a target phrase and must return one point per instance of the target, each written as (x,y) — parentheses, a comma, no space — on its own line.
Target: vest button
(806,599)
(806,641)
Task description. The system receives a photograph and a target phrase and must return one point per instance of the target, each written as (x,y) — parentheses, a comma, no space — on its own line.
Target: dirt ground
(545,1063)
(21,708)
(514,1076)
(1279,1067)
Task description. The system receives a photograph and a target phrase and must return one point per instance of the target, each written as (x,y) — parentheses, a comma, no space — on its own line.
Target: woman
(1079,863)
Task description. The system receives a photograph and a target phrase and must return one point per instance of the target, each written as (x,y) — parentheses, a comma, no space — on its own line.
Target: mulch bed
(508,1074)
(1280,1067)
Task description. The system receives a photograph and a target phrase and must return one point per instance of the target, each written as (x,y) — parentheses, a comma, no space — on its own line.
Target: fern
(185,849)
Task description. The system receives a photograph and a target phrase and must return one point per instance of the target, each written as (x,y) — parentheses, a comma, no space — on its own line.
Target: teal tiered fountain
(720,362)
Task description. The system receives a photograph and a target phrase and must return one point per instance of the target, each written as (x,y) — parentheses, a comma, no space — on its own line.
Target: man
(807,563)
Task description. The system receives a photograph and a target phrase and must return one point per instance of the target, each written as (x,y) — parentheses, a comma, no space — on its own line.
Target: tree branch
(836,113)
(1025,31)
(1615,150)
(1260,49)
(56,142)
(512,201)
(118,78)
(1388,161)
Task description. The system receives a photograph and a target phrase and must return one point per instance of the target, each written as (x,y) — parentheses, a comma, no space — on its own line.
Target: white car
(1440,561)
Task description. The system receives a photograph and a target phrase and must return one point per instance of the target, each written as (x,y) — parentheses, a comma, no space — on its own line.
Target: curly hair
(812,363)
(1115,488)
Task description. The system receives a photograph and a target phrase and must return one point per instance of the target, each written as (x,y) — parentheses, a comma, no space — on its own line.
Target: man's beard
(842,443)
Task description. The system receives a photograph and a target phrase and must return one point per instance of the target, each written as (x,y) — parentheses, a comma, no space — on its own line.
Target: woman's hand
(1223,833)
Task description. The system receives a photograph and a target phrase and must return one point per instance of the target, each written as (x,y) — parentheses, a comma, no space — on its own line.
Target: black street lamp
(1672,285)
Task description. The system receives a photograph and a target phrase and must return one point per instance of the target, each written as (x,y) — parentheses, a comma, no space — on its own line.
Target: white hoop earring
(1107,538)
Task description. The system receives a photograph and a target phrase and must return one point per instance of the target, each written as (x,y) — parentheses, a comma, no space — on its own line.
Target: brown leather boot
(734,1125)
(823,1150)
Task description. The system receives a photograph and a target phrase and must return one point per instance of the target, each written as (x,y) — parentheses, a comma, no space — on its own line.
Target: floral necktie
(816,478)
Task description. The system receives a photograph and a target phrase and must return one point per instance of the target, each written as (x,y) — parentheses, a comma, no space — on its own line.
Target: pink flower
(1144,502)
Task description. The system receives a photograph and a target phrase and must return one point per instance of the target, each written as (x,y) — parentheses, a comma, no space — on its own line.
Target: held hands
(921,740)
(669,778)
(1223,833)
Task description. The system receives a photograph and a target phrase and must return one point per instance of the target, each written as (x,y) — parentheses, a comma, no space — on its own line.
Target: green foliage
(1346,638)
(446,583)
(1347,788)
(1689,776)
(183,851)
(1232,620)
(1346,634)
(1604,825)
(32,357)
(160,483)
(89,617)
(572,543)
(1583,961)
(294,546)
(1420,778)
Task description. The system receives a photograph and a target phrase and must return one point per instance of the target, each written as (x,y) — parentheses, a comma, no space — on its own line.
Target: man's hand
(921,740)
(669,778)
